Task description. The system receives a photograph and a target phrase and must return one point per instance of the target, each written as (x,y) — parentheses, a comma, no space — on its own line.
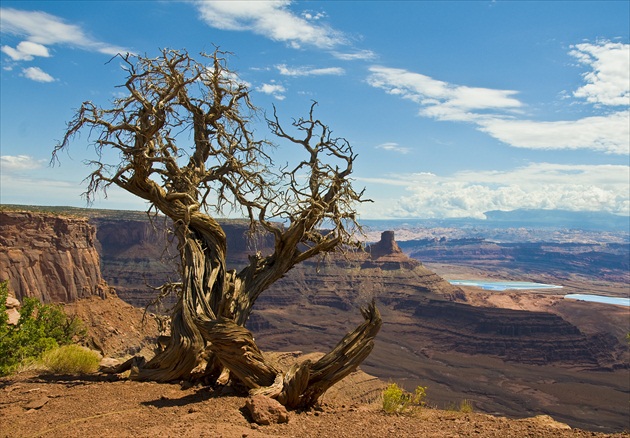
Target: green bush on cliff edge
(41,328)
(397,401)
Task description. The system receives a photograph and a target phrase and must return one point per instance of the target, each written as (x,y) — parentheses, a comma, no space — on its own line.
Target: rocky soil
(33,405)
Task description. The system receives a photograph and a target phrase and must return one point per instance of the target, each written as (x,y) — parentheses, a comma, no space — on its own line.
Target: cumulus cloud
(11,163)
(393,147)
(608,82)
(37,74)
(536,186)
(26,51)
(48,191)
(275,90)
(271,19)
(232,79)
(41,30)
(309,71)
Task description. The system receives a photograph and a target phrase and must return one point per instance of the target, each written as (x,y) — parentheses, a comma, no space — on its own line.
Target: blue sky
(454,108)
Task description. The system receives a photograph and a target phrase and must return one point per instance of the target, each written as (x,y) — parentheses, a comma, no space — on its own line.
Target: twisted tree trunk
(210,318)
(202,252)
(168,97)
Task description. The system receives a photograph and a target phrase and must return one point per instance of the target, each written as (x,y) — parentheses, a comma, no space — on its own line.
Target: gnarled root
(304,383)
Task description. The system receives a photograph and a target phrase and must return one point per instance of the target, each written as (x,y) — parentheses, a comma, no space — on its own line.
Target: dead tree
(184,142)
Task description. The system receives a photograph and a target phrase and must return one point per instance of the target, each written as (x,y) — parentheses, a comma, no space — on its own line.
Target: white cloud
(26,51)
(309,71)
(608,82)
(41,30)
(364,55)
(271,19)
(536,186)
(37,74)
(275,90)
(10,163)
(19,189)
(313,15)
(439,99)
(609,134)
(232,78)
(393,147)
(496,112)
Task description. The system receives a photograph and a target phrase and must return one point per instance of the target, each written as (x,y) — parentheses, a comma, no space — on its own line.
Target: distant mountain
(581,220)
(586,220)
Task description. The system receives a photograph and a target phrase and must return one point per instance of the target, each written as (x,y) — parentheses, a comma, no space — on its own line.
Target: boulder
(13,306)
(37,403)
(265,410)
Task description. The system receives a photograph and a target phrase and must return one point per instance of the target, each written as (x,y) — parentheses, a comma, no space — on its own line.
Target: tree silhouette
(184,144)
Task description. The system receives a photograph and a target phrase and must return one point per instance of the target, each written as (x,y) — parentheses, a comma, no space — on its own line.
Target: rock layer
(48,257)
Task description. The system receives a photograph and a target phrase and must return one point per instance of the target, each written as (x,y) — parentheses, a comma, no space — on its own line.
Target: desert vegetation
(71,359)
(398,401)
(40,329)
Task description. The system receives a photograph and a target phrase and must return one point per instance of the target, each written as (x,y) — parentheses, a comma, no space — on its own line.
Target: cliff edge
(49,257)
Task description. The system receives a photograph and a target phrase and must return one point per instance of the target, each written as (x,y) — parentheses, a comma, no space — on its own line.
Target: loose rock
(265,411)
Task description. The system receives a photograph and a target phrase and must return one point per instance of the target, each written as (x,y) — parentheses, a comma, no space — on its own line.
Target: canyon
(510,354)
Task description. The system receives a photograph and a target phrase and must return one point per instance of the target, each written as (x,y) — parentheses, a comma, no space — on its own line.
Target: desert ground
(34,405)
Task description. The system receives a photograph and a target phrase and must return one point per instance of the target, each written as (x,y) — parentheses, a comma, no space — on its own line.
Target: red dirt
(96,406)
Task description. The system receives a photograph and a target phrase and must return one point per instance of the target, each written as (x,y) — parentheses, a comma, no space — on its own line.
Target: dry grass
(71,359)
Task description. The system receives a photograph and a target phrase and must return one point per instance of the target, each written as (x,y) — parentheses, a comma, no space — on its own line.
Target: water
(504,285)
(600,299)
(527,285)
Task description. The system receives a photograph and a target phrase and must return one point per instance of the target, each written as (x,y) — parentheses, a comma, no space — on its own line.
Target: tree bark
(304,383)
(168,97)
(203,286)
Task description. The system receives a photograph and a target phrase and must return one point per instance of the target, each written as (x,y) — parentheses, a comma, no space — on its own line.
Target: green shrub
(41,327)
(466,406)
(396,400)
(71,359)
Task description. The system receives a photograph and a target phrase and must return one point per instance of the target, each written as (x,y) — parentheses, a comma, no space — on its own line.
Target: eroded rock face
(48,257)
(136,252)
(536,338)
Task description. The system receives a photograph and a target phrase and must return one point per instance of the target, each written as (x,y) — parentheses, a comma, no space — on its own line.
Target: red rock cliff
(49,257)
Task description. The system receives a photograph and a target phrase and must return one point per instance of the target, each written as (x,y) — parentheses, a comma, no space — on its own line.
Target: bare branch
(181,138)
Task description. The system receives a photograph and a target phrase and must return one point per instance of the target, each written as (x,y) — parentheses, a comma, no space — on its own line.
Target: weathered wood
(224,165)
(235,348)
(305,383)
(345,357)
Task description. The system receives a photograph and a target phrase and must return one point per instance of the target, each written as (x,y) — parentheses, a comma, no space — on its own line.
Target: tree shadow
(73,379)
(202,394)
